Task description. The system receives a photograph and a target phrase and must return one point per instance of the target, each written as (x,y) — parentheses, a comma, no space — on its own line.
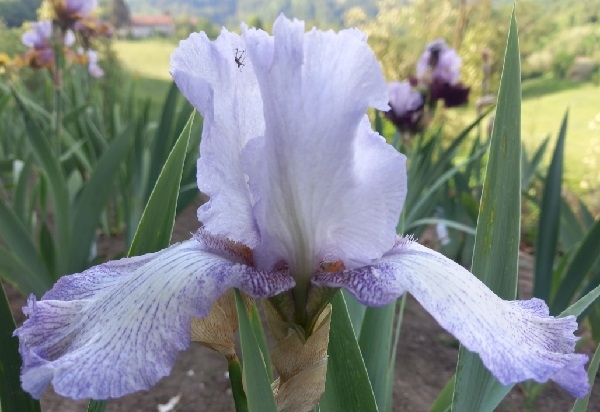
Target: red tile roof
(156,20)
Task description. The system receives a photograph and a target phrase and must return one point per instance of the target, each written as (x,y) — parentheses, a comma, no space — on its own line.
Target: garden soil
(426,360)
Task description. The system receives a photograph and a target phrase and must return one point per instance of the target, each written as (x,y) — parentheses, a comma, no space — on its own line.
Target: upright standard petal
(516,340)
(320,177)
(116,328)
(442,59)
(81,7)
(39,34)
(220,83)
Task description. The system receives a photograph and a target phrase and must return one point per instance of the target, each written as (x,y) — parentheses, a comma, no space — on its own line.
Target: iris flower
(93,67)
(67,12)
(438,71)
(41,54)
(304,196)
(78,15)
(406,107)
(442,59)
(80,7)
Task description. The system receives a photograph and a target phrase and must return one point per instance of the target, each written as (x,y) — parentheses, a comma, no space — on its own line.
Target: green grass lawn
(544,104)
(542,115)
(148,62)
(146,58)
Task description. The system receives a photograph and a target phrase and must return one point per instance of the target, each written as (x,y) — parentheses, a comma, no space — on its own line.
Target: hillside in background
(232,11)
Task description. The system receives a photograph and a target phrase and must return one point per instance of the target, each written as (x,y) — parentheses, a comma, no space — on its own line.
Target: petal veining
(226,93)
(116,328)
(325,185)
(516,340)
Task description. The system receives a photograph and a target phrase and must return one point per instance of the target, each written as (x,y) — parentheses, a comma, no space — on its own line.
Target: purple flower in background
(39,35)
(453,95)
(94,69)
(68,12)
(403,98)
(441,60)
(38,39)
(81,7)
(406,106)
(274,127)
(438,71)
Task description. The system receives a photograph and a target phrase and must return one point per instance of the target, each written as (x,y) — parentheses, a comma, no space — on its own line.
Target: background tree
(15,12)
(119,14)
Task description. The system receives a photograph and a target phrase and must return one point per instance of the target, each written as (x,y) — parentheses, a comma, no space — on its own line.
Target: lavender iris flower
(296,178)
(407,106)
(94,69)
(438,71)
(69,12)
(80,7)
(38,39)
(39,35)
(442,59)
(403,98)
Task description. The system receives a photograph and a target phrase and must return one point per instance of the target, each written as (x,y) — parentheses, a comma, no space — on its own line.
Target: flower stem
(237,386)
(57,72)
(300,294)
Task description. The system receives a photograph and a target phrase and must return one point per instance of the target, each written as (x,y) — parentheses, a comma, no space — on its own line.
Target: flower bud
(216,330)
(300,362)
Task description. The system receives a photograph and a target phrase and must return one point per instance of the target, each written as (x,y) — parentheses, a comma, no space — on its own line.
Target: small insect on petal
(239,58)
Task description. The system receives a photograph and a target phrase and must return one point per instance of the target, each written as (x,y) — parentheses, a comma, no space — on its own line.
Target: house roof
(155,20)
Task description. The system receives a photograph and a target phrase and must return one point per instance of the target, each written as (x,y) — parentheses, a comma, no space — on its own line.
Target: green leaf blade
(16,237)
(155,228)
(347,388)
(375,345)
(56,180)
(581,405)
(549,223)
(258,387)
(495,257)
(585,257)
(93,199)
(12,397)
(20,276)
(444,399)
(162,143)
(577,308)
(161,207)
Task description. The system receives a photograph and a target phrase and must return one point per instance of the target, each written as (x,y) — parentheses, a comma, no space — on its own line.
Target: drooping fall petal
(516,340)
(116,328)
